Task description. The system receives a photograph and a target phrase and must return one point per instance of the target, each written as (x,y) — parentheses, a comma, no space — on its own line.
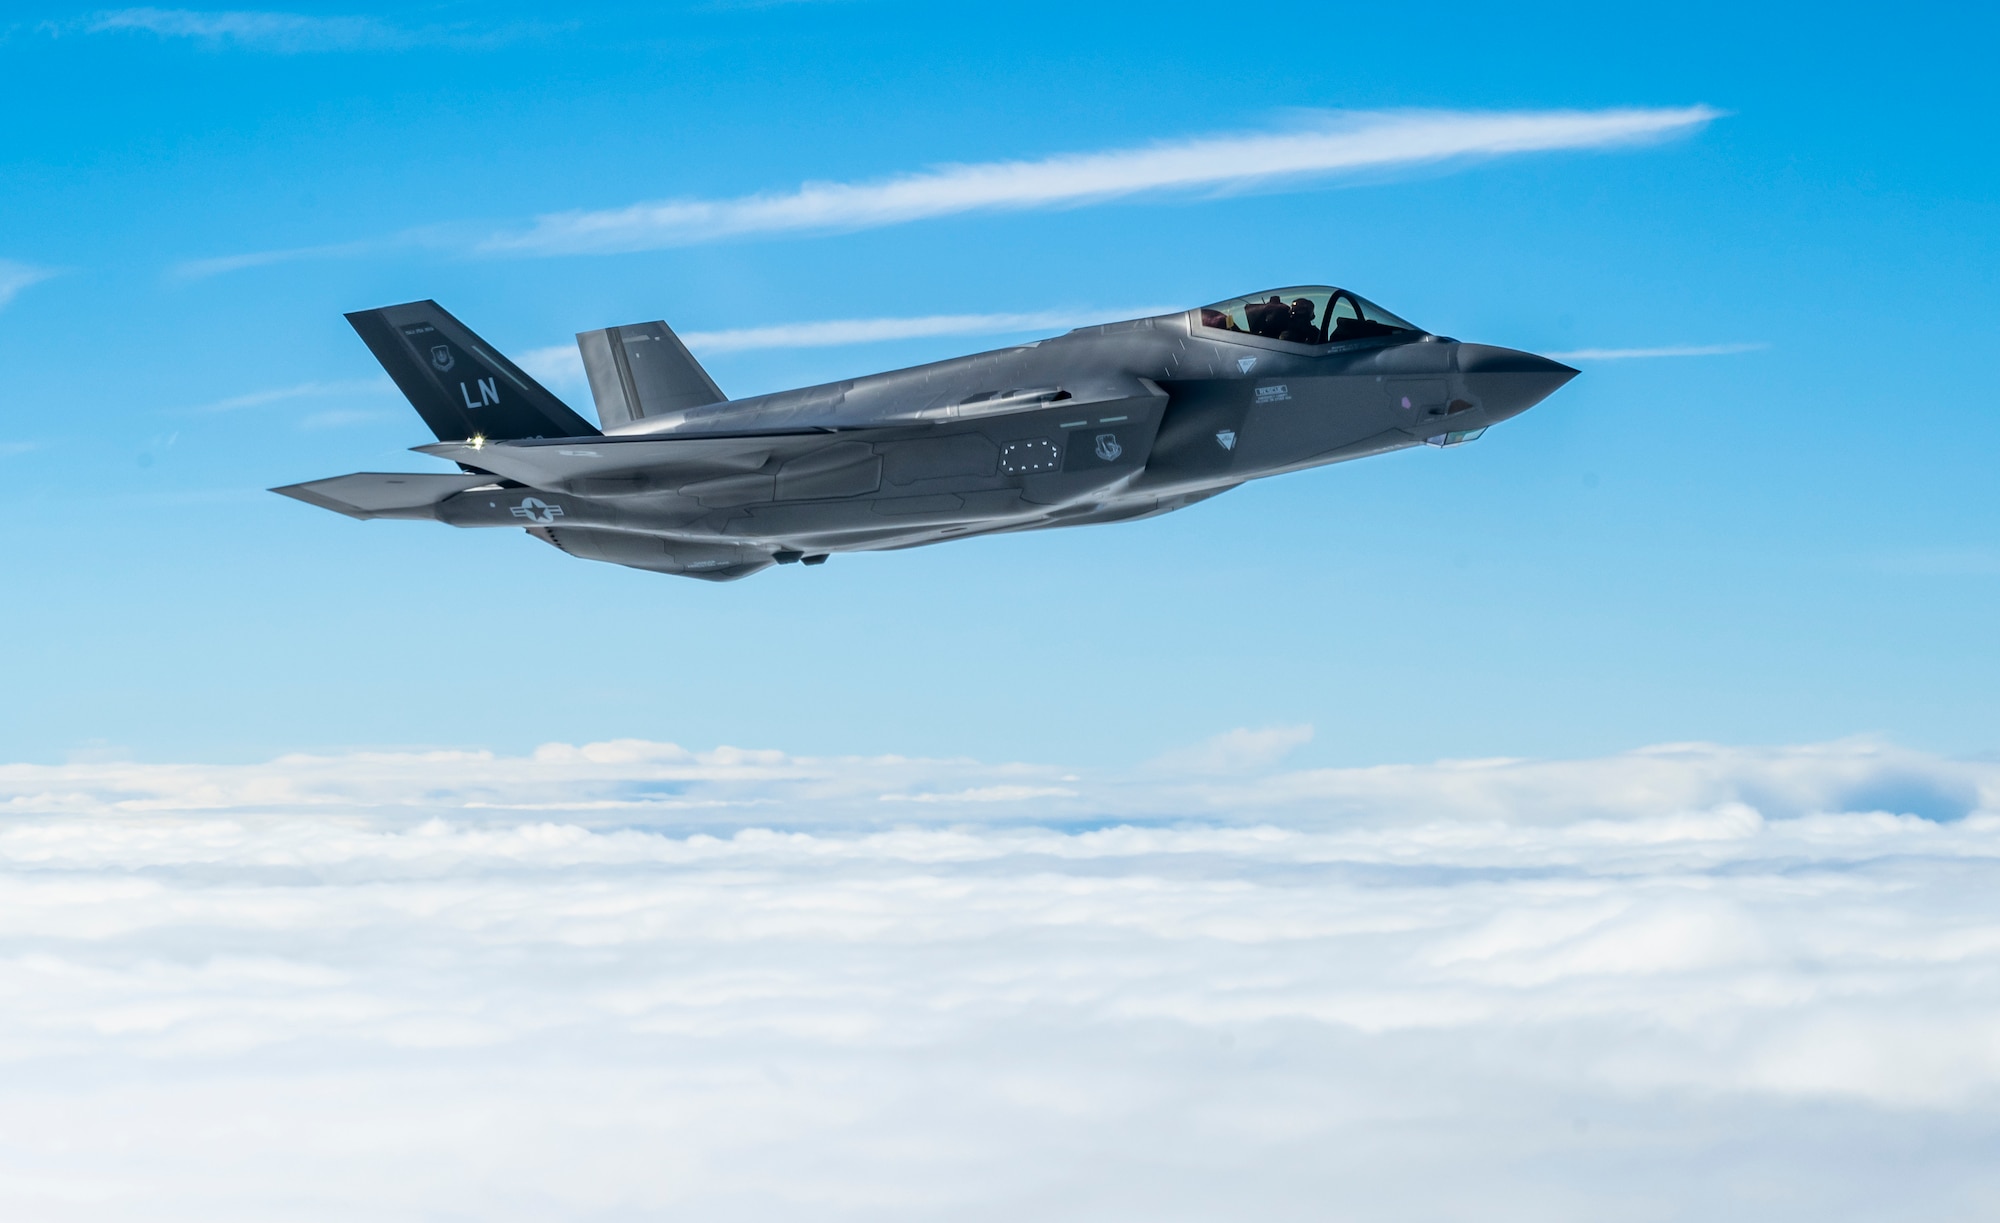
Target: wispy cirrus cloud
(500,986)
(286,33)
(196,269)
(338,418)
(1324,145)
(299,390)
(1641,354)
(15,277)
(289,33)
(560,364)
(1320,145)
(832,333)
(1960,561)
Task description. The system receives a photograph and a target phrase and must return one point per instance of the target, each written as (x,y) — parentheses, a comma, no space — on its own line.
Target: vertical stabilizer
(459,384)
(642,370)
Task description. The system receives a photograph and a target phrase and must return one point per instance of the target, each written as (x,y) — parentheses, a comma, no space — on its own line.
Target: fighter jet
(1103,424)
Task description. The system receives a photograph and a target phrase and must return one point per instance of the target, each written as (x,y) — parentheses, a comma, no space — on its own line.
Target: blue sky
(1790,543)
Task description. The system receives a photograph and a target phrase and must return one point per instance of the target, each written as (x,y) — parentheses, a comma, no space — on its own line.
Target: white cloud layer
(1330,143)
(627,980)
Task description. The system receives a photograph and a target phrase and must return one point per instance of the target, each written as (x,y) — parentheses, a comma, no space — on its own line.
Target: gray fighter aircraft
(1103,424)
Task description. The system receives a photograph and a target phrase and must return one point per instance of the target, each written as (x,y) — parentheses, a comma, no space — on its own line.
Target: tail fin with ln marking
(457,382)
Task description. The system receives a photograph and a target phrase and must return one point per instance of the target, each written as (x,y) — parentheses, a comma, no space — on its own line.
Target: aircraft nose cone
(1506,381)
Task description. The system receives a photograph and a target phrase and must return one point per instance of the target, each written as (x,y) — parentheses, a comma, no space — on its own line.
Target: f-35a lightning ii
(1103,424)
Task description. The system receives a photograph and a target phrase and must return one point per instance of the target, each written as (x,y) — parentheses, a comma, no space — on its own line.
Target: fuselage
(1103,424)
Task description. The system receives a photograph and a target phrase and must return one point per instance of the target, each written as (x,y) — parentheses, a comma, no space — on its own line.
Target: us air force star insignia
(441,357)
(536,510)
(1108,448)
(1246,364)
(1226,438)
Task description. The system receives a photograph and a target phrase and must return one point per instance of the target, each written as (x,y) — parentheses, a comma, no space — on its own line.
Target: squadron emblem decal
(441,358)
(1108,448)
(534,509)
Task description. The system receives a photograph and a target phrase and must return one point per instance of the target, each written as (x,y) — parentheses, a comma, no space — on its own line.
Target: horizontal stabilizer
(457,382)
(370,494)
(643,370)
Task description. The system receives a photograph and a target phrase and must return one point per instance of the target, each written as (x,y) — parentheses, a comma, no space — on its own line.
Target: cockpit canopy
(1305,314)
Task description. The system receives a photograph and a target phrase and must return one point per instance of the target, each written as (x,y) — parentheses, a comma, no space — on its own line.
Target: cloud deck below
(738,984)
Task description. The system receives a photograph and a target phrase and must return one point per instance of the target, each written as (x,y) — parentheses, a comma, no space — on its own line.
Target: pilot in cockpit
(1298,327)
